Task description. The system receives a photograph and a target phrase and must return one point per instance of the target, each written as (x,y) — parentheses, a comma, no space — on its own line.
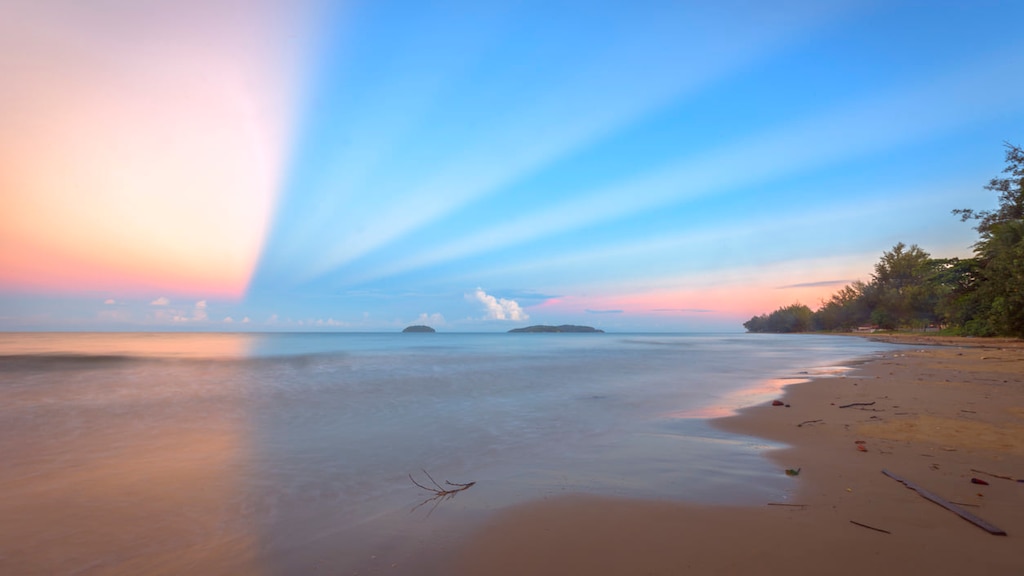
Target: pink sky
(143,143)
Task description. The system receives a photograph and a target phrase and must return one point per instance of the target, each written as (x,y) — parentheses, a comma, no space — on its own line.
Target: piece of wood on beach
(440,493)
(882,530)
(805,422)
(1001,476)
(984,525)
(857,404)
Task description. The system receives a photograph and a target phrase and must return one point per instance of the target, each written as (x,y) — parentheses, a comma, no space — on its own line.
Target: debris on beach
(792,471)
(984,525)
(440,494)
(805,422)
(1000,476)
(979,481)
(870,527)
(778,403)
(857,404)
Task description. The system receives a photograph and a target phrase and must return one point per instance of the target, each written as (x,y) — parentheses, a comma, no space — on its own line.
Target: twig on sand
(809,422)
(440,493)
(785,504)
(870,527)
(947,505)
(858,404)
(1001,476)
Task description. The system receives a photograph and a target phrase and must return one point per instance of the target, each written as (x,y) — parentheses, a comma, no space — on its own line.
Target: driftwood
(858,404)
(948,505)
(440,494)
(800,425)
(870,527)
(1001,476)
(785,504)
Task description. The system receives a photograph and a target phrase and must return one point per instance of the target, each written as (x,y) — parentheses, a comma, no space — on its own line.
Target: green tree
(959,303)
(845,310)
(993,302)
(792,318)
(1011,195)
(903,291)
(1002,257)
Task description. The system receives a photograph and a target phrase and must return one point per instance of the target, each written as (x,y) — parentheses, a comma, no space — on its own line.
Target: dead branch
(870,527)
(948,505)
(785,504)
(440,494)
(809,422)
(1001,476)
(858,404)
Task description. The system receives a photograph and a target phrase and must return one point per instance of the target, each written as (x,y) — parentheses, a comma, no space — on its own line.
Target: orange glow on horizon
(734,301)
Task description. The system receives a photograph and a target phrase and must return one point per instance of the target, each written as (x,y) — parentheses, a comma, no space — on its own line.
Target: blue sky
(666,166)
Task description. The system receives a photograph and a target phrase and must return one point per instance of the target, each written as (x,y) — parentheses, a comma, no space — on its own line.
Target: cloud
(589,311)
(816,284)
(161,301)
(229,320)
(245,320)
(498,308)
(684,310)
(530,296)
(199,313)
(435,319)
(325,322)
(110,301)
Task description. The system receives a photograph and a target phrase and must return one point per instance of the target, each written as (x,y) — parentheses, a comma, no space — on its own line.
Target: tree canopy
(980,296)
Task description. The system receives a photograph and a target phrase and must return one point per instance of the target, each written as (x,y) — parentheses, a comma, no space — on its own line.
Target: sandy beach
(948,417)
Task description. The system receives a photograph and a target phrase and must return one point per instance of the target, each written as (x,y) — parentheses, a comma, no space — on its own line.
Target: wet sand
(937,416)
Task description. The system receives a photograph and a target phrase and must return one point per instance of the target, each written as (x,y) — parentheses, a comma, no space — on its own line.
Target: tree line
(978,296)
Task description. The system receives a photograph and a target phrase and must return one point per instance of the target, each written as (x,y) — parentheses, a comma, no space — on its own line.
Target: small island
(562,328)
(420,329)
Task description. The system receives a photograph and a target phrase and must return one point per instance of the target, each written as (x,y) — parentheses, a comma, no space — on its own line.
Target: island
(562,328)
(419,328)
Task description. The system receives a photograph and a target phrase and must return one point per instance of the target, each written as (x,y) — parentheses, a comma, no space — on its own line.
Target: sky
(666,166)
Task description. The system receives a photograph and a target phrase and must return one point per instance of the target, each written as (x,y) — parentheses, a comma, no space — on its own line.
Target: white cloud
(161,301)
(199,313)
(228,320)
(436,319)
(327,322)
(245,320)
(498,308)
(110,301)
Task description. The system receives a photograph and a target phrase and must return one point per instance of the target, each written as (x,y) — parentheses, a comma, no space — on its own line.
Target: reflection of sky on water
(276,450)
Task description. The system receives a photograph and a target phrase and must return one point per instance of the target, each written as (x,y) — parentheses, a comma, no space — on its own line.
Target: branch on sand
(1002,476)
(991,529)
(440,494)
(882,530)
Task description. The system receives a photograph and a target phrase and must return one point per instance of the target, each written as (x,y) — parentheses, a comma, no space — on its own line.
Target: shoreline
(938,417)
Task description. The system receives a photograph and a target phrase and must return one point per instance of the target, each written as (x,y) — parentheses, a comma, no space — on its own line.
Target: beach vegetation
(792,318)
(979,296)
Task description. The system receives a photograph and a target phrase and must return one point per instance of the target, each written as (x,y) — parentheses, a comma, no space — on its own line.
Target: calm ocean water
(270,453)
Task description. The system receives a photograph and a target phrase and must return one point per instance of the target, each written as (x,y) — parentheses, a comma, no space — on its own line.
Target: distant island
(424,329)
(562,328)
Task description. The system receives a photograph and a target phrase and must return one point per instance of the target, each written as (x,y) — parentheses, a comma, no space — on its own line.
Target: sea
(359,453)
